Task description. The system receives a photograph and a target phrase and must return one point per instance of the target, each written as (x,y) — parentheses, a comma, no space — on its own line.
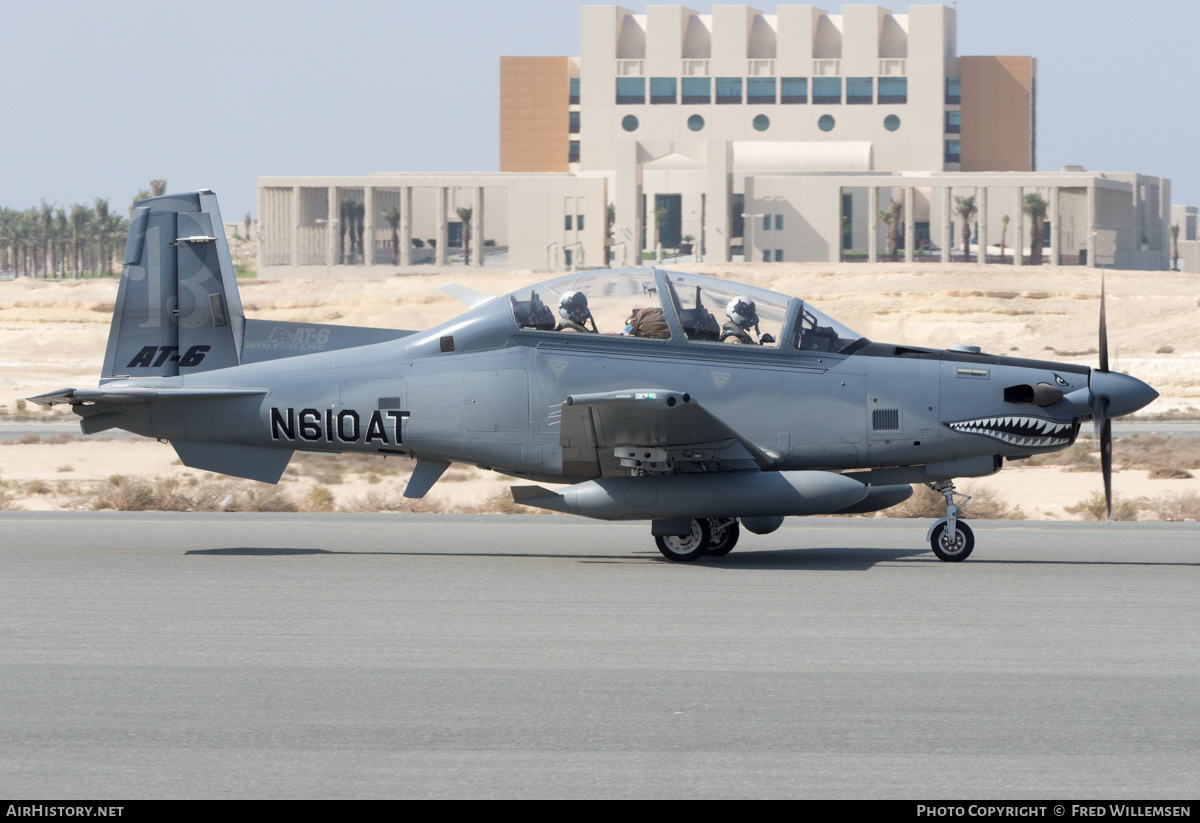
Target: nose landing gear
(951,540)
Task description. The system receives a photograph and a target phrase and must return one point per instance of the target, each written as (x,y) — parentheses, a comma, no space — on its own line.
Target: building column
(983,224)
(406,226)
(910,231)
(296,201)
(334,226)
(1055,244)
(477,228)
(1019,256)
(873,224)
(719,186)
(1093,246)
(443,203)
(947,232)
(368,225)
(835,248)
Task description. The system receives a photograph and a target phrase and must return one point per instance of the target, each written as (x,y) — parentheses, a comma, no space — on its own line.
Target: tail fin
(178,309)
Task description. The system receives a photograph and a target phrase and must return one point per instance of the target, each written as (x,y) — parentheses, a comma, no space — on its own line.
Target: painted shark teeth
(1018,430)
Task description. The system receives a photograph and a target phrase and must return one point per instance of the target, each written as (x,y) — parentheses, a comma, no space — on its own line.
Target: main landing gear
(951,540)
(709,537)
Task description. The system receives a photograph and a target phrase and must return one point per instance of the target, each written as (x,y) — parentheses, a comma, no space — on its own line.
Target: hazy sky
(100,98)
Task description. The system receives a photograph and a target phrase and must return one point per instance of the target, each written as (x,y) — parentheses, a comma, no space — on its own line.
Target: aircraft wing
(608,433)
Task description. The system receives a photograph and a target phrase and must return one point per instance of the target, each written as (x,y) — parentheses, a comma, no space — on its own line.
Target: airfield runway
(325,656)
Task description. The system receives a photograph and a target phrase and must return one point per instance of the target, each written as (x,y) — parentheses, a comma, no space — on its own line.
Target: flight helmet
(742,311)
(573,306)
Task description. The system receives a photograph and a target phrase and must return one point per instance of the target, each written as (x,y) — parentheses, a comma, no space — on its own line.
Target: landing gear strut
(725,533)
(952,541)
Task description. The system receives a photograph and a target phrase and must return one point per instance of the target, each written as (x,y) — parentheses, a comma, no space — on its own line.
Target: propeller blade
(1106,463)
(1103,329)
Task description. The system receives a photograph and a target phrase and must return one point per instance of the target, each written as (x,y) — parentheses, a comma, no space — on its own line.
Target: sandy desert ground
(52,335)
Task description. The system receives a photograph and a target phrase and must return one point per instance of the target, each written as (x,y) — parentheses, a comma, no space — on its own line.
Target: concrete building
(740,134)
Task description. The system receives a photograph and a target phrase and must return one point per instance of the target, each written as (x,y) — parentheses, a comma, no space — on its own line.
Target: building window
(826,123)
(778,255)
(567,222)
(629,122)
(574,98)
(760,90)
(891,122)
(573,152)
(827,90)
(762,122)
(893,89)
(729,89)
(953,90)
(953,151)
(631,90)
(695,122)
(573,122)
(579,222)
(766,222)
(697,90)
(779,222)
(793,90)
(662,90)
(766,255)
(953,122)
(860,90)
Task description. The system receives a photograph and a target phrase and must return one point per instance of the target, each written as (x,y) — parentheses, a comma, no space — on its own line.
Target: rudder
(178,309)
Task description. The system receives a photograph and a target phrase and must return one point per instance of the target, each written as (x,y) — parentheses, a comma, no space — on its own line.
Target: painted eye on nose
(1060,381)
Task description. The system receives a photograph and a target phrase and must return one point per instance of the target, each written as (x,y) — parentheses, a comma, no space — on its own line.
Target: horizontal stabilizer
(252,462)
(134,395)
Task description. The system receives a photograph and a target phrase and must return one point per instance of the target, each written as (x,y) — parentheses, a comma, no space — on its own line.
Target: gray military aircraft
(621,384)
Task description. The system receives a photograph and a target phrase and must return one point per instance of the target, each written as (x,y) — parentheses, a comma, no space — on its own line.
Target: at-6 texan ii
(698,404)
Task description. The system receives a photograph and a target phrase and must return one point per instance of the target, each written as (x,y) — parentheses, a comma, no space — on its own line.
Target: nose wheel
(952,549)
(951,539)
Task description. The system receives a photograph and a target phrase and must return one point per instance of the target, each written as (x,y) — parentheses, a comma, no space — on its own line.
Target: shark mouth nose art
(1018,430)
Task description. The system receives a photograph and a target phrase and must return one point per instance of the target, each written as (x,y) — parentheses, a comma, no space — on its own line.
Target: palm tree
(79,219)
(1036,207)
(159,187)
(464,214)
(1174,247)
(1003,235)
(392,216)
(893,219)
(46,229)
(965,206)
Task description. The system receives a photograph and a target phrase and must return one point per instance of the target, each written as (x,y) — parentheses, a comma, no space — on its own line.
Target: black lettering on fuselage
(344,427)
(281,426)
(352,418)
(310,429)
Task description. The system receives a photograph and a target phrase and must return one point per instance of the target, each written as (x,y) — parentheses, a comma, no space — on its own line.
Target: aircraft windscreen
(723,311)
(818,332)
(609,300)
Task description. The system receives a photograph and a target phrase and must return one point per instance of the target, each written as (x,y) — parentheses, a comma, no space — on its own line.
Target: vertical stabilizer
(178,309)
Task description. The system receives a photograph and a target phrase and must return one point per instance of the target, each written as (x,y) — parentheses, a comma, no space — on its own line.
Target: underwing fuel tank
(733,494)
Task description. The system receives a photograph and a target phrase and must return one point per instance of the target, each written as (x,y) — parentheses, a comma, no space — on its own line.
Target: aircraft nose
(1126,394)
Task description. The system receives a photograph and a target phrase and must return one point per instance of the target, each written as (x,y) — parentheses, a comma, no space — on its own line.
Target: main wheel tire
(690,546)
(964,542)
(725,533)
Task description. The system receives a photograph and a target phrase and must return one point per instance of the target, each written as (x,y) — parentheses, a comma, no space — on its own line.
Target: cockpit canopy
(677,306)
